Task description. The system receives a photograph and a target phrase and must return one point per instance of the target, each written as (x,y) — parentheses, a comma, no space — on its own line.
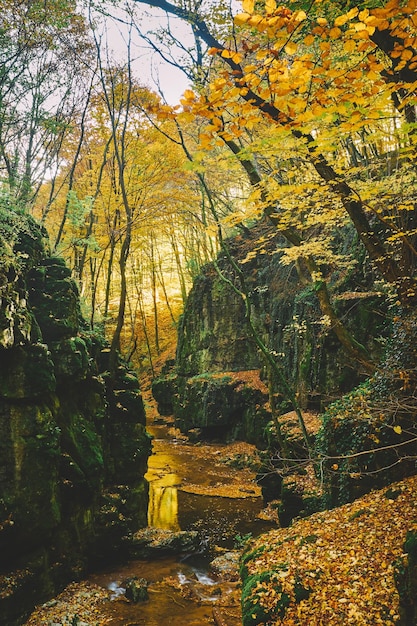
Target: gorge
(74,445)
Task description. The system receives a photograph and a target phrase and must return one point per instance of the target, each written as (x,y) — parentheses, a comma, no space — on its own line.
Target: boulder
(136,589)
(226,566)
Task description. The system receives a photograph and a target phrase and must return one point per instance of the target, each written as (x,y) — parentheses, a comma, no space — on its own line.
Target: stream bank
(193,487)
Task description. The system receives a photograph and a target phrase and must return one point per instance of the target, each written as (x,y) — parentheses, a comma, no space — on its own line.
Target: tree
(316,78)
(270,79)
(44,51)
(87,218)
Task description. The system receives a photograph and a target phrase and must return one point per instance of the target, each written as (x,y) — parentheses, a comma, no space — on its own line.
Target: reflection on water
(163,506)
(219,520)
(163,490)
(172,467)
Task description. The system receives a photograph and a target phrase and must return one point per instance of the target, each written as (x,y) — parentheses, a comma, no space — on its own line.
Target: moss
(361,423)
(254,611)
(219,288)
(358,513)
(308,539)
(70,357)
(28,372)
(31,492)
(129,450)
(405,572)
(126,406)
(392,494)
(263,597)
(213,378)
(54,300)
(247,556)
(410,547)
(81,442)
(163,390)
(21,238)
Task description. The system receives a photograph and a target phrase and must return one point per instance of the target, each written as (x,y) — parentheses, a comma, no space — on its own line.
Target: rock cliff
(73,444)
(210,389)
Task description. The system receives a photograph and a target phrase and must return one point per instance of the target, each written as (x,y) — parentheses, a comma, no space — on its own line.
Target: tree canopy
(301,111)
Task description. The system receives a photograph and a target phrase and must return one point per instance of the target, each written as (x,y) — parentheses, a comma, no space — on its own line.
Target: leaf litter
(344,558)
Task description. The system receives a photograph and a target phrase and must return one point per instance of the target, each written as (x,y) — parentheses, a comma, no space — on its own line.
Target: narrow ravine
(204,487)
(192,487)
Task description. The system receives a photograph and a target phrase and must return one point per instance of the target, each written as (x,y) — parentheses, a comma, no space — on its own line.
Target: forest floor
(345,557)
(80,603)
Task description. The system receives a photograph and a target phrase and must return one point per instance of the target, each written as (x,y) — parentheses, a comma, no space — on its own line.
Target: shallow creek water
(191,488)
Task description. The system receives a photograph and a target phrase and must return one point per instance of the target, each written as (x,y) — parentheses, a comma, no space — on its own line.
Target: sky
(148,66)
(148,63)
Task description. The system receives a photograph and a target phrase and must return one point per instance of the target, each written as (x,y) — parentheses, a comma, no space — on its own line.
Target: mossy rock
(210,337)
(54,301)
(222,406)
(360,423)
(127,379)
(405,571)
(64,434)
(29,467)
(71,359)
(247,556)
(254,588)
(82,443)
(122,512)
(26,372)
(32,242)
(56,267)
(258,586)
(136,589)
(129,449)
(126,406)
(295,502)
(163,390)
(17,324)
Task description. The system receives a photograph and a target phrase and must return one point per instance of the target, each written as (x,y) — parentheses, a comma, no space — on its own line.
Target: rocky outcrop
(214,340)
(227,406)
(73,444)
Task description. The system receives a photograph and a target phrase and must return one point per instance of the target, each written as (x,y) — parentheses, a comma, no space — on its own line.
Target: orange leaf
(291,48)
(240,19)
(335,33)
(248,5)
(349,45)
(270,6)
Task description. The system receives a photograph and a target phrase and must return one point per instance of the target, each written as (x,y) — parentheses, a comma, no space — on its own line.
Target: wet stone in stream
(179,594)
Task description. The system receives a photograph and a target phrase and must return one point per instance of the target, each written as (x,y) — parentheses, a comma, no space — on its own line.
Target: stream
(191,487)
